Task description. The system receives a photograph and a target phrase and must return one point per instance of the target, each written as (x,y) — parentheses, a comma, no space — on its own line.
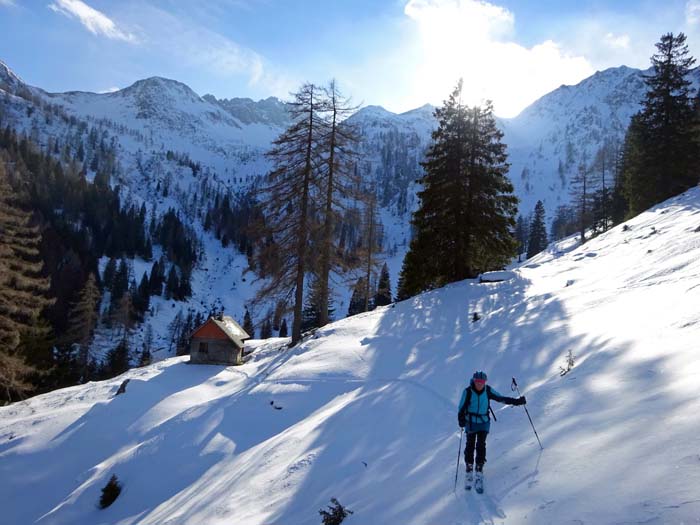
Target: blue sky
(396,53)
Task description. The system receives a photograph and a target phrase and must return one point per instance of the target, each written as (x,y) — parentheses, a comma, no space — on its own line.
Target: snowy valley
(173,147)
(365,409)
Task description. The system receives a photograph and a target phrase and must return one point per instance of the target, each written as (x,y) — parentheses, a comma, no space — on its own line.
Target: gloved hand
(462,422)
(520,401)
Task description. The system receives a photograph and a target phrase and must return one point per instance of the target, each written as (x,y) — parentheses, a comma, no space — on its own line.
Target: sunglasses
(480,381)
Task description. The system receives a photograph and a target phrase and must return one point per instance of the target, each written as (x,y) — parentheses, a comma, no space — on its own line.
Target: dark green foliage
(177,241)
(311,315)
(231,219)
(142,299)
(120,285)
(521,235)
(172,286)
(660,156)
(117,360)
(565,223)
(335,514)
(248,324)
(284,332)
(108,274)
(266,329)
(537,239)
(357,301)
(383,295)
(467,212)
(157,277)
(110,492)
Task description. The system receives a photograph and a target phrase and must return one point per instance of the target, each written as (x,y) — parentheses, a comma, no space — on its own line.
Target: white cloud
(617,41)
(7,3)
(474,40)
(204,49)
(95,21)
(692,12)
(108,90)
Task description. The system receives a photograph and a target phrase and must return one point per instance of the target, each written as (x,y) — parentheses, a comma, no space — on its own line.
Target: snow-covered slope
(365,410)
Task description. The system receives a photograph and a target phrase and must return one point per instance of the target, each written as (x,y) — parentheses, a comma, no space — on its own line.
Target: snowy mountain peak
(270,111)
(9,81)
(152,87)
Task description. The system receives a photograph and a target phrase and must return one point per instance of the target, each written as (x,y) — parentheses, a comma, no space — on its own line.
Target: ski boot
(479,479)
(469,477)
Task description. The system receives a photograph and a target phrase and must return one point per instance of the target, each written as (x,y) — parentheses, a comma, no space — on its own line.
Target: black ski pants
(476,440)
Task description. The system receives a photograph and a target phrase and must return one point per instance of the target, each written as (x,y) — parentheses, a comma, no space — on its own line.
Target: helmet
(481,376)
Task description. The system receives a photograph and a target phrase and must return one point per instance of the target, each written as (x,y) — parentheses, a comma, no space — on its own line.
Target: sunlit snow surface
(364,410)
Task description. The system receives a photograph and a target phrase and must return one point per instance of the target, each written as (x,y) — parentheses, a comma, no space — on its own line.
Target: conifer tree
(155,281)
(537,240)
(662,151)
(287,200)
(336,182)
(120,284)
(383,295)
(266,329)
(81,323)
(117,360)
(108,274)
(142,298)
(23,290)
(467,211)
(372,232)
(581,195)
(248,324)
(172,285)
(358,300)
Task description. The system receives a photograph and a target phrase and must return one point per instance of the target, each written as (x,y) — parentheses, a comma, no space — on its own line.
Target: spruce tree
(537,240)
(311,317)
(172,285)
(248,324)
(155,281)
(467,208)
(117,360)
(108,274)
(358,299)
(383,295)
(662,151)
(266,329)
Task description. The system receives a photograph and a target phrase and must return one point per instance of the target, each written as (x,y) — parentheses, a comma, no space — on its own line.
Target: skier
(474,415)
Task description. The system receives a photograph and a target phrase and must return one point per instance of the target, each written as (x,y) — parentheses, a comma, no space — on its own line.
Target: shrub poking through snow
(569,364)
(110,492)
(335,514)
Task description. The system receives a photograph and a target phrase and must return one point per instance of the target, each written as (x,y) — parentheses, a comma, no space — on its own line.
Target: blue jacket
(476,416)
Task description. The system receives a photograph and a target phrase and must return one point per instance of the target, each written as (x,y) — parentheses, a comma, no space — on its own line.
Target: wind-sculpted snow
(364,410)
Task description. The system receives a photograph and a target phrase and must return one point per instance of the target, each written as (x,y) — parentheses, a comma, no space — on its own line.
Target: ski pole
(514,386)
(459,451)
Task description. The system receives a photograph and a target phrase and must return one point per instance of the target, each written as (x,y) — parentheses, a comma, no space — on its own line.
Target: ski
(479,483)
(468,480)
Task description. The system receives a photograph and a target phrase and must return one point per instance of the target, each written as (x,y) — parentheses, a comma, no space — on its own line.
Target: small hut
(218,341)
